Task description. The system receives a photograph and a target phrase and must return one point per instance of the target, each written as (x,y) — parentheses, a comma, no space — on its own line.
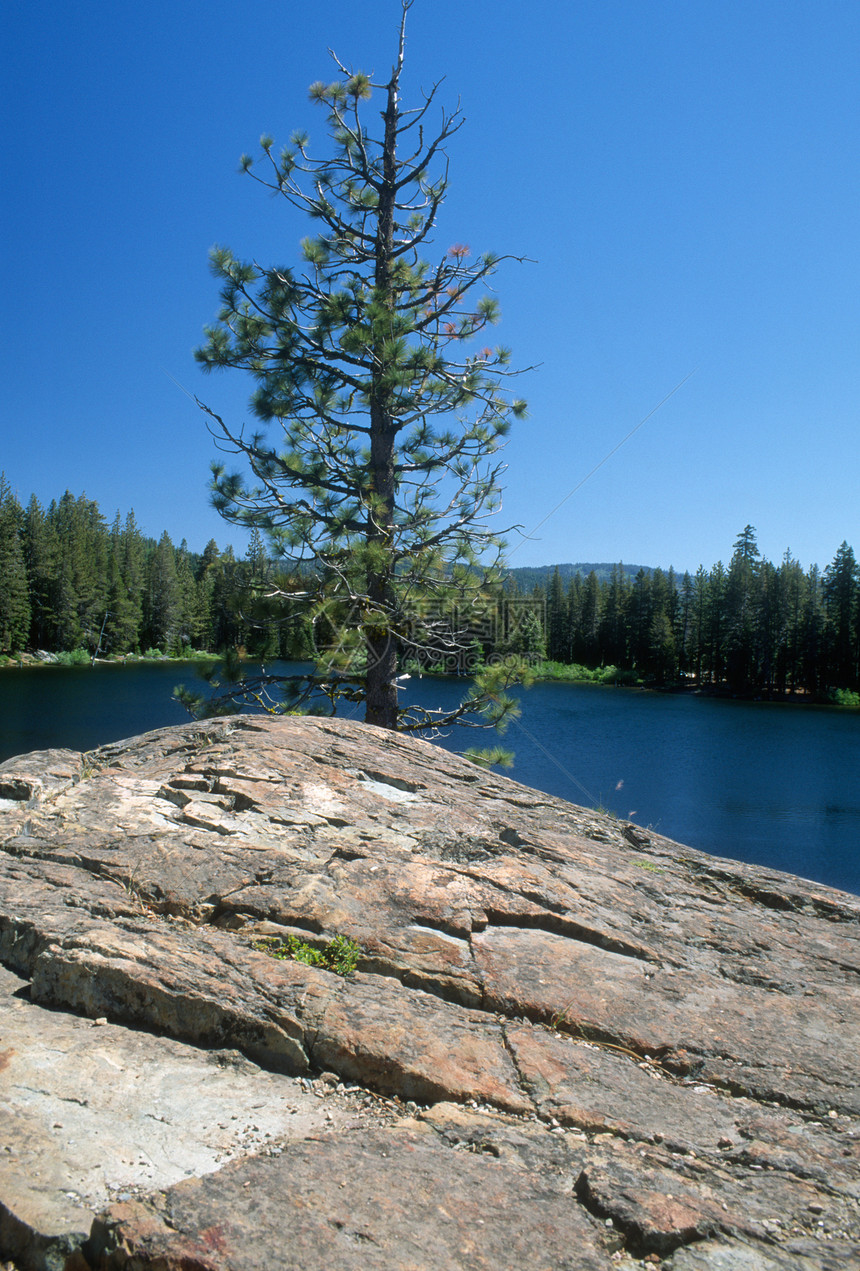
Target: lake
(772,783)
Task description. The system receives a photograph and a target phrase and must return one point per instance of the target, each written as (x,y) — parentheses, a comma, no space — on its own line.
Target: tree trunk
(380,643)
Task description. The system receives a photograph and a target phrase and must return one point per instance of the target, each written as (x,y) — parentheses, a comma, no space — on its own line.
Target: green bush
(576,674)
(844,697)
(73,657)
(612,675)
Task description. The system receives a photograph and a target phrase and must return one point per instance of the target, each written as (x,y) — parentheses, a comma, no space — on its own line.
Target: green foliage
(339,955)
(604,810)
(14,592)
(527,639)
(74,657)
(490,757)
(844,697)
(578,674)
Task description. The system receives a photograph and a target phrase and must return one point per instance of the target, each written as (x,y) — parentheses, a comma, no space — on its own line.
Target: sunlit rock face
(568,1042)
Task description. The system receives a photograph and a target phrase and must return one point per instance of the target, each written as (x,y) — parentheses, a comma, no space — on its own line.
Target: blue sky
(685,176)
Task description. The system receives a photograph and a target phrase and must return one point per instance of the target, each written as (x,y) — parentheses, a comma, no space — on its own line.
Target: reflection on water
(771,783)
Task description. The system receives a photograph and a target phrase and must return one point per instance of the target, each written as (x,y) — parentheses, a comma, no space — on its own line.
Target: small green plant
(340,955)
(601,808)
(655,869)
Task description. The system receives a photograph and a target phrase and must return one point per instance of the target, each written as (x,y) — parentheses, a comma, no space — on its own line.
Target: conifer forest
(71,582)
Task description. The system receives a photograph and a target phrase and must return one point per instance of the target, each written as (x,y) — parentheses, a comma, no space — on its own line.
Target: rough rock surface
(569,1043)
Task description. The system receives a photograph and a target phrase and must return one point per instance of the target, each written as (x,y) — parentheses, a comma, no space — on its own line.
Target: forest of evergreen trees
(69,580)
(751,627)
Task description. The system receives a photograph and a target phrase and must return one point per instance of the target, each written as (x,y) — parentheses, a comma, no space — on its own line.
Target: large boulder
(568,1042)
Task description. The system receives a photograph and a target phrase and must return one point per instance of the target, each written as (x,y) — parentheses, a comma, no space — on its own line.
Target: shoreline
(596,678)
(31,661)
(798,697)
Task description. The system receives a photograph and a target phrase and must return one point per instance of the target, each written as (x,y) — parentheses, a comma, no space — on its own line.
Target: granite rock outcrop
(569,1042)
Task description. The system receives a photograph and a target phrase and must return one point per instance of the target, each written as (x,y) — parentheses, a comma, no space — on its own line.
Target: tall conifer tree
(841,583)
(382,414)
(161,598)
(40,552)
(122,625)
(14,594)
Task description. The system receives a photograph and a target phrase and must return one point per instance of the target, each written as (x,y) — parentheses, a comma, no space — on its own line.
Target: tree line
(69,581)
(72,581)
(750,626)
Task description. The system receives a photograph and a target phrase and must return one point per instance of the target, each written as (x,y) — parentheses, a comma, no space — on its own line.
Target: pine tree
(529,641)
(209,557)
(258,565)
(742,599)
(574,619)
(122,626)
(161,598)
(841,585)
(14,594)
(792,600)
(557,642)
(80,583)
(685,625)
(591,613)
(387,413)
(812,646)
(640,611)
(40,553)
(767,628)
(613,630)
(661,658)
(261,602)
(133,570)
(701,600)
(714,659)
(186,633)
(221,588)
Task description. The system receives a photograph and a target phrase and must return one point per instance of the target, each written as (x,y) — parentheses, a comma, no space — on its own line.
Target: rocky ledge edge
(568,1042)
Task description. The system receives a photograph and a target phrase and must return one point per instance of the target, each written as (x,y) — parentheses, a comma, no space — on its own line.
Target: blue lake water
(775,784)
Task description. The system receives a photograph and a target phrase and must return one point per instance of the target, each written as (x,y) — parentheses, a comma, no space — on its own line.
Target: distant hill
(528,576)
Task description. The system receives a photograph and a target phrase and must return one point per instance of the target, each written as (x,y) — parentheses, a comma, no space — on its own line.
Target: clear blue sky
(685,175)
